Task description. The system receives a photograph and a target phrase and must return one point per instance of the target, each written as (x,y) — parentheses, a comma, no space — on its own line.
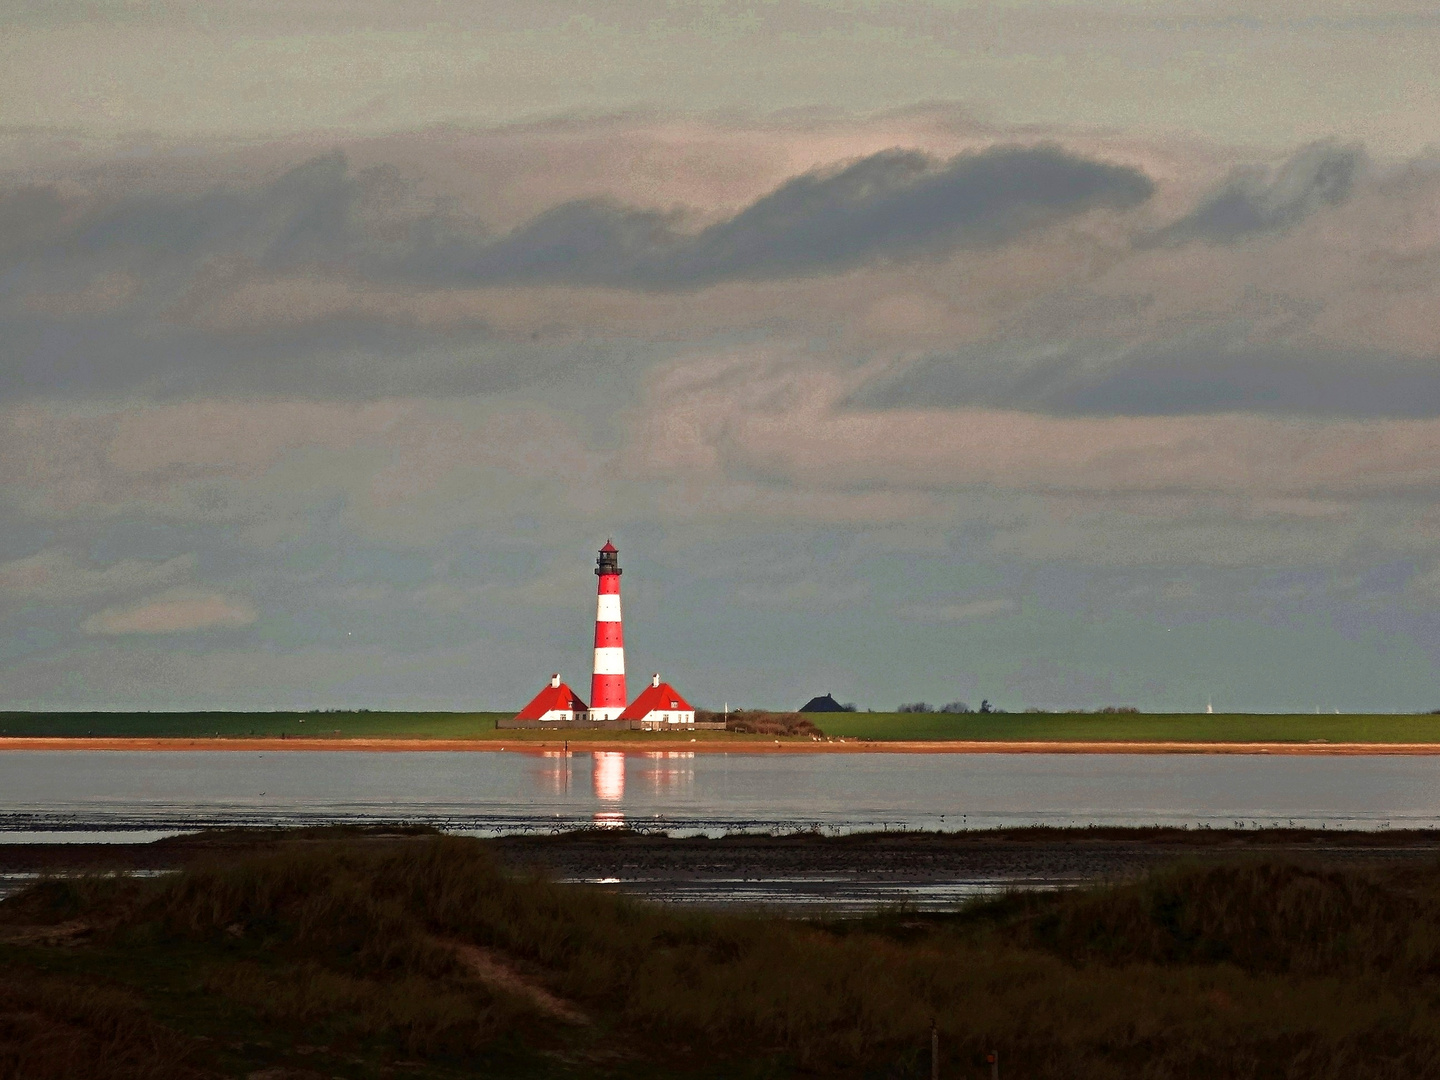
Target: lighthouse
(607,686)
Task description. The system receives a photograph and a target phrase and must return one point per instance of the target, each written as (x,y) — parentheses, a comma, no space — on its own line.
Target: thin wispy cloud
(178,612)
(959,611)
(1260,200)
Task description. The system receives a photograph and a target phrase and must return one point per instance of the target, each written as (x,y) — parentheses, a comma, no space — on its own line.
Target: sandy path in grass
(716,746)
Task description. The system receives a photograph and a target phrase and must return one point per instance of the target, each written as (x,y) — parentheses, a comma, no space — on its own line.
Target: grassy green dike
(421,957)
(1042,727)
(1135,727)
(340,725)
(344,724)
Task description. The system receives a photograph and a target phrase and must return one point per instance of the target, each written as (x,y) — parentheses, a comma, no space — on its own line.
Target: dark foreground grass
(335,958)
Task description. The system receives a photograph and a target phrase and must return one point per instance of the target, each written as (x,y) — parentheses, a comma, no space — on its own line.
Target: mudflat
(895,857)
(923,857)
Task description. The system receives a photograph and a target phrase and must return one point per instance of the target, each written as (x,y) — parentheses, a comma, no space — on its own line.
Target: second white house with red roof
(659,705)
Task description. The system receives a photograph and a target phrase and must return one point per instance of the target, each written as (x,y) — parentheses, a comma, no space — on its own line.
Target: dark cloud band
(1208,374)
(890,206)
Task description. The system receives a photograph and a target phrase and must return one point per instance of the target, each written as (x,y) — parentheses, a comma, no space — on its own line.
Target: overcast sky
(1060,354)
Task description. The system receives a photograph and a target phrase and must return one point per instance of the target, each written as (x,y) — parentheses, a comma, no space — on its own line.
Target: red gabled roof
(662,698)
(609,546)
(552,697)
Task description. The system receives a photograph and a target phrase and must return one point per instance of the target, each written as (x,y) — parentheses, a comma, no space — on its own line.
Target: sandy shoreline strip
(263,744)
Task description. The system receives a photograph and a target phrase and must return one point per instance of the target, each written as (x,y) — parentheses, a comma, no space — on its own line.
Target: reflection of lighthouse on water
(609,778)
(661,772)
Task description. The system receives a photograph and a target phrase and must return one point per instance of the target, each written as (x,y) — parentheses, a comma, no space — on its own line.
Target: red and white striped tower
(607,685)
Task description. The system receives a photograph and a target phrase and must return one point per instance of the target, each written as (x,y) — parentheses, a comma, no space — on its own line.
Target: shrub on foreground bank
(1251,968)
(757,722)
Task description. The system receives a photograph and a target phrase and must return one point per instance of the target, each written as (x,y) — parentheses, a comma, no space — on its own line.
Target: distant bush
(955,707)
(757,722)
(1113,709)
(913,707)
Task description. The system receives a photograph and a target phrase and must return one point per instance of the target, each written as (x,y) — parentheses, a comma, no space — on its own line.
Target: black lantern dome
(609,560)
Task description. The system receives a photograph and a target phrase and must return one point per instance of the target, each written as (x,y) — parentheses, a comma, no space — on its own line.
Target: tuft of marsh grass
(56,1029)
(1260,915)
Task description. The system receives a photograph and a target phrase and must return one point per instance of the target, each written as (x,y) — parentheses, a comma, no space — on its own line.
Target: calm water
(135,795)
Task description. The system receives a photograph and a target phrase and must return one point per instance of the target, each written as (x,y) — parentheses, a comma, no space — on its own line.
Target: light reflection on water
(609,776)
(811,893)
(43,793)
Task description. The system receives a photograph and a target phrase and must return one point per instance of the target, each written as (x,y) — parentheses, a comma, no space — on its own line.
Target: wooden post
(934,1051)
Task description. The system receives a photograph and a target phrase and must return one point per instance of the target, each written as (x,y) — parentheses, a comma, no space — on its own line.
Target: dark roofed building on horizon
(823,703)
